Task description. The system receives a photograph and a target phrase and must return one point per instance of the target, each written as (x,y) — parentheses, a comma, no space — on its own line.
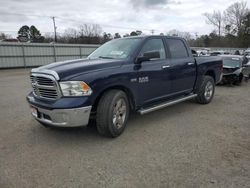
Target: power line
(104,25)
(152,31)
(81,22)
(21,14)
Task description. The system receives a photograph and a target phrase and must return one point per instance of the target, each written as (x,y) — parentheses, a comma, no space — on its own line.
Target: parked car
(140,74)
(216,53)
(247,54)
(203,52)
(246,71)
(232,69)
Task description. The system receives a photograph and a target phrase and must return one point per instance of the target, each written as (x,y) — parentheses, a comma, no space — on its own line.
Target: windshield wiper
(106,57)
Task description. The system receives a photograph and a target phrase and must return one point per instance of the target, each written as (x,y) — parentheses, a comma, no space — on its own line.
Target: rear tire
(112,113)
(206,91)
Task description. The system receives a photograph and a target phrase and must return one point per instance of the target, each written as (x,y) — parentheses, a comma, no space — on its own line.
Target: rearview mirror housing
(147,56)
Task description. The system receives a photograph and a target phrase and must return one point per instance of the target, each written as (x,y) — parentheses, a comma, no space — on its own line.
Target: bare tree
(183,34)
(215,19)
(235,14)
(4,36)
(90,30)
(71,33)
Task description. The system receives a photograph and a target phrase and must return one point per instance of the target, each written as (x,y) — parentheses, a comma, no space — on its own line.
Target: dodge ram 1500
(140,74)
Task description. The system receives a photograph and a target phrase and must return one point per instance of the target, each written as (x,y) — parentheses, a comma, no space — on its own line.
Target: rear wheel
(112,113)
(206,91)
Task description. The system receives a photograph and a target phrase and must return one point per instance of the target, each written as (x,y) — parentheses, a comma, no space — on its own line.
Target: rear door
(182,65)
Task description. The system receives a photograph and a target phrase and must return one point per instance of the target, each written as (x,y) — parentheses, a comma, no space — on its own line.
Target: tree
(133,33)
(215,19)
(117,35)
(4,36)
(24,33)
(90,30)
(246,24)
(228,29)
(107,36)
(70,35)
(31,34)
(126,35)
(49,37)
(235,14)
(35,35)
(34,32)
(244,33)
(177,33)
(138,32)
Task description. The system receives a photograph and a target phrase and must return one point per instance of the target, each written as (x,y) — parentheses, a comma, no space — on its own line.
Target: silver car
(232,69)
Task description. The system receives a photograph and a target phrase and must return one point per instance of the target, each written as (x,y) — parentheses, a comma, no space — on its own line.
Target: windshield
(116,49)
(232,62)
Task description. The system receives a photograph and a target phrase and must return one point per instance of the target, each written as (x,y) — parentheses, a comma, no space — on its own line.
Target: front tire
(206,91)
(112,113)
(238,79)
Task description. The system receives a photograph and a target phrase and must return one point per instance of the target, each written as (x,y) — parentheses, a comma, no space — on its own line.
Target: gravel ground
(186,145)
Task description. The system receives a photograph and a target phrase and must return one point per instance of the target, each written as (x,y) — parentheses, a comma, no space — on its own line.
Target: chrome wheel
(209,89)
(119,113)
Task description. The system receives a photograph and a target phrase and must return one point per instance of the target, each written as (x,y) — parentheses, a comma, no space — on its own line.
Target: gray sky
(121,16)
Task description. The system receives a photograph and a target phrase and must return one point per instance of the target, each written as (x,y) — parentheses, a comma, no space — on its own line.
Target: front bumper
(73,117)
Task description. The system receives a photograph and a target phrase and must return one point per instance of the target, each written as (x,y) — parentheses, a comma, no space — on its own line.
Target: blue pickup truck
(133,74)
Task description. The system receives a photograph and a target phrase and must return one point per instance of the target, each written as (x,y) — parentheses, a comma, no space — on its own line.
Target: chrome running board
(163,105)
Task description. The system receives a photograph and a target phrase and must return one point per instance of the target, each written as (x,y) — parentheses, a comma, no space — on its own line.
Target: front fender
(101,81)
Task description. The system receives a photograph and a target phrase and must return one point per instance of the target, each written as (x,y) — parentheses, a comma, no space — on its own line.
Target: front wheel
(238,79)
(112,113)
(206,91)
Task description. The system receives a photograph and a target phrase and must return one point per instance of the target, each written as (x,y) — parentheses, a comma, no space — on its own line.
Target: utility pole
(54,22)
(196,35)
(152,31)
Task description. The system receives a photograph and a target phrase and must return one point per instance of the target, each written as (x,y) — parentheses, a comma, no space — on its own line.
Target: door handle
(190,63)
(165,66)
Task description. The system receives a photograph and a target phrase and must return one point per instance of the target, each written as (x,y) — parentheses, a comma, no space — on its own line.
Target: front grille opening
(44,87)
(45,81)
(45,116)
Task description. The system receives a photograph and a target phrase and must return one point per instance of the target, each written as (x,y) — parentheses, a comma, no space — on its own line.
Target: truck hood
(230,67)
(72,68)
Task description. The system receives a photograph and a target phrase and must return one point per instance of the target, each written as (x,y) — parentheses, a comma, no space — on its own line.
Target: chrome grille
(44,86)
(229,70)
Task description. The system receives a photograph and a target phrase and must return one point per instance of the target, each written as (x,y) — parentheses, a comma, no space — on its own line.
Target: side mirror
(148,56)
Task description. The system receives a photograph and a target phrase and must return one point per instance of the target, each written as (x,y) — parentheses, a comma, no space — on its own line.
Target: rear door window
(177,48)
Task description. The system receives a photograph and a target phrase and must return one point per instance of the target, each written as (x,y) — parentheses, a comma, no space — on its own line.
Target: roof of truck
(148,36)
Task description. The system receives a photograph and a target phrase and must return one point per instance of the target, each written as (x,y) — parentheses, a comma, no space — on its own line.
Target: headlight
(75,88)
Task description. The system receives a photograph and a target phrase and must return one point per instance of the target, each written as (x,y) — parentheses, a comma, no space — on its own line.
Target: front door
(153,76)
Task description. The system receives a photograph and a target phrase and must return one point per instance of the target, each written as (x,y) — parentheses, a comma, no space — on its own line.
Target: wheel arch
(211,73)
(126,90)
